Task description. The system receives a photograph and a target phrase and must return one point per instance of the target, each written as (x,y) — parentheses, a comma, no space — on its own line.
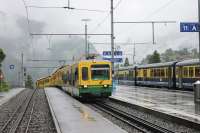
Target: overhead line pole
(199,32)
(147,22)
(22,68)
(112,35)
(86,51)
(86,37)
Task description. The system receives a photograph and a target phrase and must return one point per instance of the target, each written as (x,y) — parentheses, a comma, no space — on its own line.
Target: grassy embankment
(4,87)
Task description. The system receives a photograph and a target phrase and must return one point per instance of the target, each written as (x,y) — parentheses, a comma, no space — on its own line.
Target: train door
(144,74)
(76,79)
(84,75)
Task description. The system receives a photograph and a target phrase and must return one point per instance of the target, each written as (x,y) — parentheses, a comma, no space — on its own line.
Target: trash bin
(197,91)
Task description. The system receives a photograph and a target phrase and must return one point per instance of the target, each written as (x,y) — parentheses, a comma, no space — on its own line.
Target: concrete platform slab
(176,103)
(6,96)
(74,117)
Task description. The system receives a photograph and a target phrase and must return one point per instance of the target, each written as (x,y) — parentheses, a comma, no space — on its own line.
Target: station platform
(6,96)
(172,102)
(71,116)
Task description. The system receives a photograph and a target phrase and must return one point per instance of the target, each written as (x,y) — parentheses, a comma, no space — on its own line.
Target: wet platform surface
(177,103)
(6,96)
(74,117)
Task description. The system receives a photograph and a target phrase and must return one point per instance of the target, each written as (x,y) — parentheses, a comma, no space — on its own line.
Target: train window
(130,75)
(137,73)
(167,74)
(162,72)
(185,72)
(191,71)
(177,72)
(157,72)
(197,71)
(151,72)
(144,73)
(84,73)
(100,72)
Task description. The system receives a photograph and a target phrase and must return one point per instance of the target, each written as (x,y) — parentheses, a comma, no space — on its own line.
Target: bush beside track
(4,87)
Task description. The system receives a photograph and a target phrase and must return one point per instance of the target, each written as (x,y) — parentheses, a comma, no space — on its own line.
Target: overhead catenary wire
(67,7)
(106,17)
(117,5)
(27,16)
(162,7)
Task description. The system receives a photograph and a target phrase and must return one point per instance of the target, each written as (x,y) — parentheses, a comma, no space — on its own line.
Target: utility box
(196,86)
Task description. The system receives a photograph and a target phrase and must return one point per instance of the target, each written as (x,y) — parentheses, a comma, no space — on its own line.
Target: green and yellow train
(82,79)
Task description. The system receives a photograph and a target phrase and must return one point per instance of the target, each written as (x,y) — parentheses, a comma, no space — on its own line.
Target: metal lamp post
(86,34)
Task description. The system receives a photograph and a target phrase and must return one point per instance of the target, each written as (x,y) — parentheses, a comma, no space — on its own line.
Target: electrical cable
(117,5)
(105,18)
(67,7)
(27,16)
(158,10)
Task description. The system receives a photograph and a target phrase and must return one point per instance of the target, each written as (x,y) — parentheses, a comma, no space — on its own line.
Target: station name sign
(107,55)
(189,27)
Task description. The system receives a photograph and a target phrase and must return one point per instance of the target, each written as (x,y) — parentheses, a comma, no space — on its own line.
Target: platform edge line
(58,129)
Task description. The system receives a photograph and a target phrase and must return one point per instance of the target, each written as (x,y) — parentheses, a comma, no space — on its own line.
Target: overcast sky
(69,21)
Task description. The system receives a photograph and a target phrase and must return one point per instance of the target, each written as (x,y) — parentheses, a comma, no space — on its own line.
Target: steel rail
(20,116)
(30,118)
(128,116)
(11,117)
(120,118)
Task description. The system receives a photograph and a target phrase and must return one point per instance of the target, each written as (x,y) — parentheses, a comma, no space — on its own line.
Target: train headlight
(105,86)
(85,86)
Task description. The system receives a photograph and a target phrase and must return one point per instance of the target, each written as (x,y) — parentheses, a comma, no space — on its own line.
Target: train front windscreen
(100,72)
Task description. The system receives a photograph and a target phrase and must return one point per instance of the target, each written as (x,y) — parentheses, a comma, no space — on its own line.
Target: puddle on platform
(84,113)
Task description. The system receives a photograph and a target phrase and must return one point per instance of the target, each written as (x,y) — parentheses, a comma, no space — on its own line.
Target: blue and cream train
(82,79)
(179,75)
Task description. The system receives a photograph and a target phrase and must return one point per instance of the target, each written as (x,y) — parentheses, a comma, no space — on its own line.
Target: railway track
(135,122)
(10,126)
(29,113)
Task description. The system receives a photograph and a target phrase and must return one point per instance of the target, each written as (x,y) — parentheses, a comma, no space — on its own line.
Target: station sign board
(12,66)
(107,55)
(117,60)
(189,27)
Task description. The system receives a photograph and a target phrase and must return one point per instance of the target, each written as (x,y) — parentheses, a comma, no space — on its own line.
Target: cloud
(15,40)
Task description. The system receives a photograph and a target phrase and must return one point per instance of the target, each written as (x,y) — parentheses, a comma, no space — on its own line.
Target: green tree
(168,55)
(126,63)
(29,82)
(154,58)
(2,56)
(194,53)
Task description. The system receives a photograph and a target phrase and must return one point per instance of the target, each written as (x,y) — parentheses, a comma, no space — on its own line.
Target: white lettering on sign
(185,28)
(194,28)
